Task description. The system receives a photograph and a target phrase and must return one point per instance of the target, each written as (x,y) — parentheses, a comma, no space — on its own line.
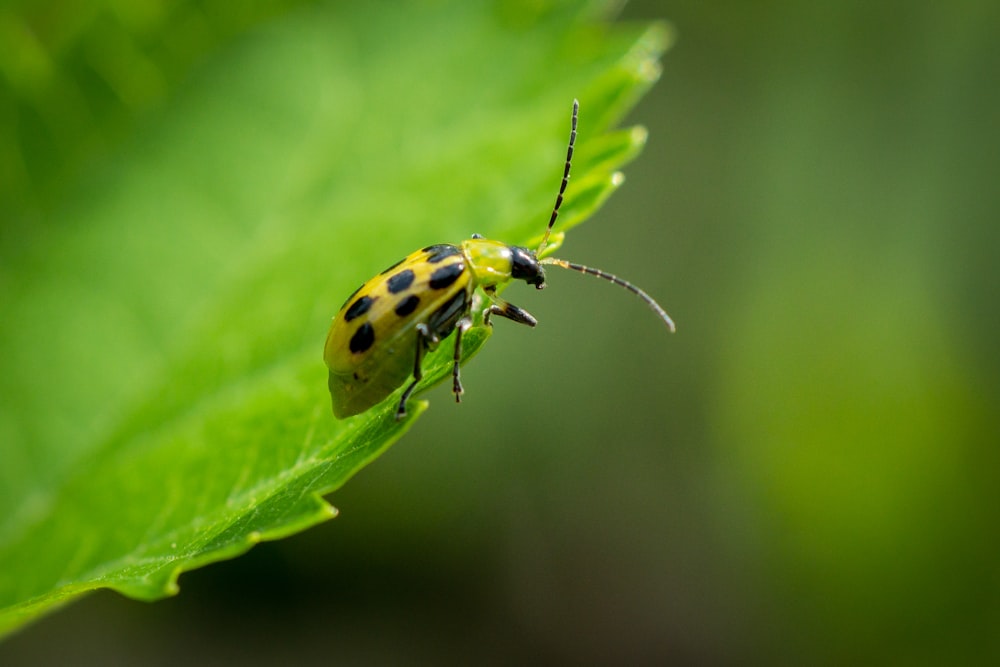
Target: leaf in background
(163,399)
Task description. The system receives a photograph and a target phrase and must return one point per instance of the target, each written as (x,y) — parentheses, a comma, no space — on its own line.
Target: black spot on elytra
(393,267)
(359,308)
(363,338)
(436,253)
(407,305)
(400,281)
(446,275)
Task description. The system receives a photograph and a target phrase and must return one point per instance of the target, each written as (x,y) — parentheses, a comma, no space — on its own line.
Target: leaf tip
(638,136)
(643,60)
(659,37)
(171,587)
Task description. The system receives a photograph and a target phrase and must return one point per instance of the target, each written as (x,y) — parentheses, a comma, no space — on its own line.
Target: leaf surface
(163,399)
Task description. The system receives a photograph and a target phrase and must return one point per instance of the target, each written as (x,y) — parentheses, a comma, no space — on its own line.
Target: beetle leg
(424,339)
(463,324)
(510,311)
(500,307)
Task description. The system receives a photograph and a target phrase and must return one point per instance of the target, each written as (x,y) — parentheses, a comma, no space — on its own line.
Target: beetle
(380,336)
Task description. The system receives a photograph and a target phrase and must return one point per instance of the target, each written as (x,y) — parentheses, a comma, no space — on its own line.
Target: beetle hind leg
(463,324)
(425,339)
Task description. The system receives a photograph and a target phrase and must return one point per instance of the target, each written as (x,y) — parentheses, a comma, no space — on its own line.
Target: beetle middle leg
(463,324)
(425,340)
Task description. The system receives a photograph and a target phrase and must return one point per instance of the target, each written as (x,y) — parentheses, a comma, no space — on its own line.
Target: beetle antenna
(617,281)
(565,178)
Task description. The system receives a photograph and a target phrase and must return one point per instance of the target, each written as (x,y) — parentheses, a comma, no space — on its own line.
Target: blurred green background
(807,472)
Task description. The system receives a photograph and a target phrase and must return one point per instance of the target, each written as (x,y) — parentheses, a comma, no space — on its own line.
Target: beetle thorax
(493,263)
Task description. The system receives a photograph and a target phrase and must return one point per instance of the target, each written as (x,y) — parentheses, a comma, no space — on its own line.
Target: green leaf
(163,399)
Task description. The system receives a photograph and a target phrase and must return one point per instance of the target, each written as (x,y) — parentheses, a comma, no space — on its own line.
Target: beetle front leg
(500,307)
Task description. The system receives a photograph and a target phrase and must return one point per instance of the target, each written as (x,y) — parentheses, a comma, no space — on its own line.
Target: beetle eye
(525,267)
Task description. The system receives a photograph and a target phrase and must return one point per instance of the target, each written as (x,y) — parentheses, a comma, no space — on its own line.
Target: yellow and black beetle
(379,337)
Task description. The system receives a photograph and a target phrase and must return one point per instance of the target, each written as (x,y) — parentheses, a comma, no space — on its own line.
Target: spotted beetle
(380,336)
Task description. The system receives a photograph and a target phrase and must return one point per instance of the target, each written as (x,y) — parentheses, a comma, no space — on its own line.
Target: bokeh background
(806,473)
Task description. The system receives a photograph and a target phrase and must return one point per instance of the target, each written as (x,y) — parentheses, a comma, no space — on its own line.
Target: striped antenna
(617,281)
(565,179)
